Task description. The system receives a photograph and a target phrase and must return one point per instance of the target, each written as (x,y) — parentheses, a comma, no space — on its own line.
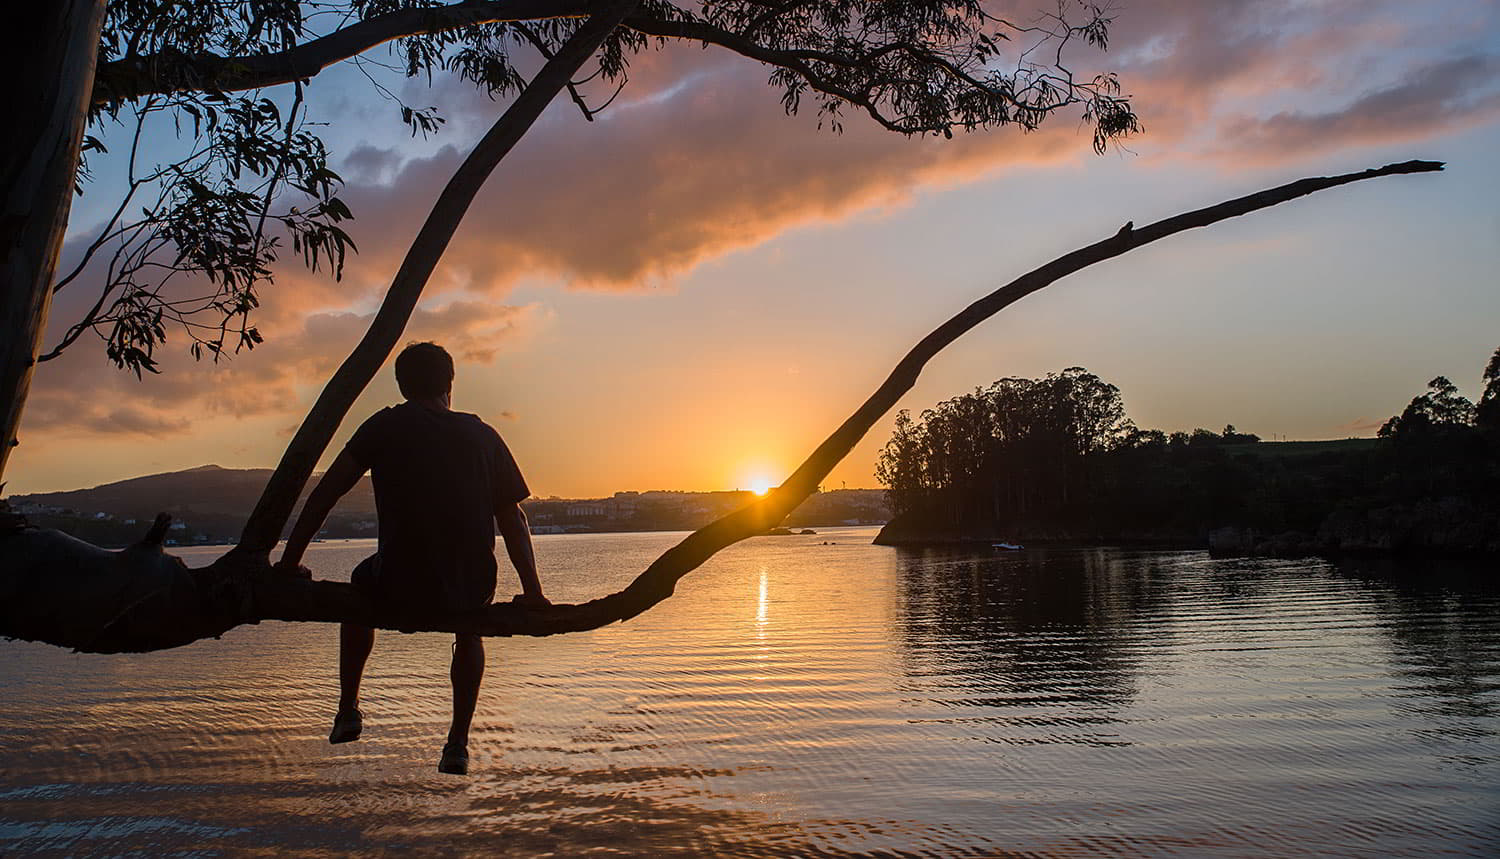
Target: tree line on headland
(1057,459)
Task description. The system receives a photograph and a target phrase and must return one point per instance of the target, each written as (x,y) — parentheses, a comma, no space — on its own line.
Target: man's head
(424,371)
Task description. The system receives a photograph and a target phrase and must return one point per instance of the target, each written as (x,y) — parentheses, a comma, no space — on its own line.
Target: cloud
(699,160)
(1445,95)
(657,187)
(103,418)
(1360,426)
(366,163)
(79,393)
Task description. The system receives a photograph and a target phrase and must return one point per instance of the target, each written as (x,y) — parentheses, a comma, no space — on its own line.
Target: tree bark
(55,45)
(58,590)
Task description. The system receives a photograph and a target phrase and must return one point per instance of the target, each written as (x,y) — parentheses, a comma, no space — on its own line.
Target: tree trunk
(63,591)
(55,45)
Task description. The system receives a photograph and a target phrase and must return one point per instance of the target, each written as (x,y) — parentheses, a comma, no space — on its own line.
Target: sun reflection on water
(760,602)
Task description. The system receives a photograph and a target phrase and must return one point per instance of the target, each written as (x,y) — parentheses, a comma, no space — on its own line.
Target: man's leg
(355,643)
(466,672)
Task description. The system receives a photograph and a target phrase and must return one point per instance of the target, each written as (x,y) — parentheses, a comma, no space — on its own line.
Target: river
(809,695)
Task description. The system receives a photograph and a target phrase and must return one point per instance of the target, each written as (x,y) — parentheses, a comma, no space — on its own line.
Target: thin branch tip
(1416,165)
(158,531)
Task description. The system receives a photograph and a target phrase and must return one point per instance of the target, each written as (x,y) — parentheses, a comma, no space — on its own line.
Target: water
(797,698)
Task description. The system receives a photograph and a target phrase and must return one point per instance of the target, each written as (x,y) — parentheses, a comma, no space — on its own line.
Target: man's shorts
(366,576)
(420,597)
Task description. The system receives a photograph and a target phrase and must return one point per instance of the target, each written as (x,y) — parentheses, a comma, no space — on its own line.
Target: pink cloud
(1360,426)
(655,188)
(104,418)
(1445,95)
(79,393)
(699,160)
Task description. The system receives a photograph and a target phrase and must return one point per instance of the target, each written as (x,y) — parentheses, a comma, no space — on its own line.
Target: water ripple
(810,700)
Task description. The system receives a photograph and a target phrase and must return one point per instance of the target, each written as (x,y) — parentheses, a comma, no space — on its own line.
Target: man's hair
(424,370)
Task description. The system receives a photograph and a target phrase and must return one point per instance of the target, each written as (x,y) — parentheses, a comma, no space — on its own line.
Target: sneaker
(455,759)
(347,726)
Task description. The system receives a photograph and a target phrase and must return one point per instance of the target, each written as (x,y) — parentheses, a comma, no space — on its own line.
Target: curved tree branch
(133,77)
(264,526)
(814,66)
(546,52)
(62,591)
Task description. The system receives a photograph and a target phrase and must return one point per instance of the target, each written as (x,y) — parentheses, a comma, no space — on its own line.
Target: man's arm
(517,535)
(339,479)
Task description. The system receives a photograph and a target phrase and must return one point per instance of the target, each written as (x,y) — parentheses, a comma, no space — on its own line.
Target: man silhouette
(443,481)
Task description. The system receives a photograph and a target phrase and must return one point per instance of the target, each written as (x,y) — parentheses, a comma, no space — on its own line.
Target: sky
(693,291)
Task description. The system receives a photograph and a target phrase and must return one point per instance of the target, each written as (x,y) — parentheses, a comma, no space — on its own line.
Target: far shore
(1226,542)
(793,532)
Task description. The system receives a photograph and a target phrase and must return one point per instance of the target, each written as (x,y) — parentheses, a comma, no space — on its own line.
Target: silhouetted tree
(1439,446)
(1441,408)
(1487,412)
(1231,436)
(900,466)
(253,176)
(1431,485)
(1020,447)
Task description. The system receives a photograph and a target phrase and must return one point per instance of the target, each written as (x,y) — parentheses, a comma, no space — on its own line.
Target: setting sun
(760,485)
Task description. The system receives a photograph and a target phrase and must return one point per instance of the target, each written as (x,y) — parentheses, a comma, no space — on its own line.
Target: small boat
(1009,547)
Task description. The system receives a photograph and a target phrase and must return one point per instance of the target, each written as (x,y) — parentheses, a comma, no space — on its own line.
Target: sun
(761,484)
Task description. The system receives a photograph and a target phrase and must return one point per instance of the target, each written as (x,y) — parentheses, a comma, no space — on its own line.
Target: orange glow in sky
(760,484)
(705,304)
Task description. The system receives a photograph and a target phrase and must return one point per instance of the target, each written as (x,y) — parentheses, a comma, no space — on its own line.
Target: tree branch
(546,52)
(264,527)
(801,60)
(133,77)
(59,590)
(136,76)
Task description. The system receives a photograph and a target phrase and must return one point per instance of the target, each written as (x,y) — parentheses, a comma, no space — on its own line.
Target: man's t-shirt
(438,477)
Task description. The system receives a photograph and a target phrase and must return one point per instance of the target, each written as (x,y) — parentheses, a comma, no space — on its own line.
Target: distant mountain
(206,489)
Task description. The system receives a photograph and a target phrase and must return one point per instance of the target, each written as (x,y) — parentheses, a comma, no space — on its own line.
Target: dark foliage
(1056,458)
(198,233)
(248,182)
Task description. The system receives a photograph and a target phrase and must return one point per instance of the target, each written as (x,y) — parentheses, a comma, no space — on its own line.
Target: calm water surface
(798,698)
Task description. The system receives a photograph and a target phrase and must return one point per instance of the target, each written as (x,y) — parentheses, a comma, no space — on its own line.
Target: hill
(205,489)
(208,505)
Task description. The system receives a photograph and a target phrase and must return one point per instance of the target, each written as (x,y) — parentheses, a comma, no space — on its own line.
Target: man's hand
(292,568)
(530,601)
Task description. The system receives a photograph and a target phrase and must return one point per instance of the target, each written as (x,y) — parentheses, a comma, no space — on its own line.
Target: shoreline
(1226,542)
(795,532)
